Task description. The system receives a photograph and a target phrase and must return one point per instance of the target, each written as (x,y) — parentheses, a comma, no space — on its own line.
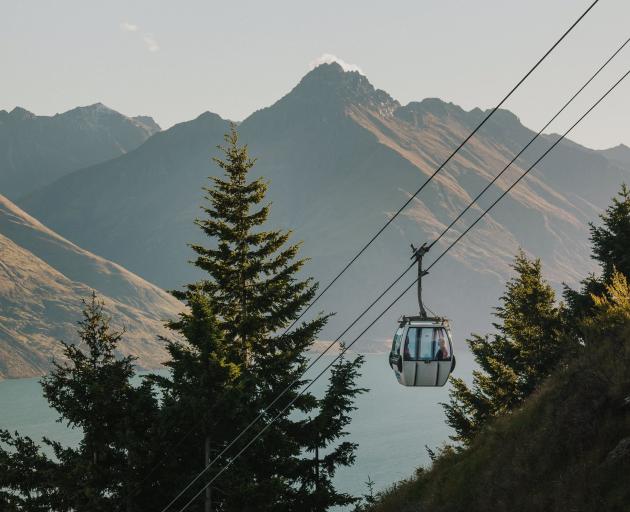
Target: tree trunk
(207,459)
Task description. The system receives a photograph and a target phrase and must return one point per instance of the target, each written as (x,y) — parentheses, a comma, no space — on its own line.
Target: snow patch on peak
(329,58)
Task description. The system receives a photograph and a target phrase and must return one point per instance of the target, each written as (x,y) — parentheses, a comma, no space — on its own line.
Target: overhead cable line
(288,388)
(529,143)
(255,420)
(455,151)
(507,191)
(348,346)
(365,247)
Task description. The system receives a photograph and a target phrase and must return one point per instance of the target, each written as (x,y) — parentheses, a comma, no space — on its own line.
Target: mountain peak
(328,70)
(21,114)
(330,84)
(96,109)
(619,153)
(148,123)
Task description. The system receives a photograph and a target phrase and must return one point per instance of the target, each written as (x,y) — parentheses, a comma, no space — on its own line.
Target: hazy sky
(174,60)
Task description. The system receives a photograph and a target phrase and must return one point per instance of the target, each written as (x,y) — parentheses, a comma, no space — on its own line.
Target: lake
(392,423)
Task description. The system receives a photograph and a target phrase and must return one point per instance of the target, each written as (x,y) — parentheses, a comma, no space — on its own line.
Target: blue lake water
(392,424)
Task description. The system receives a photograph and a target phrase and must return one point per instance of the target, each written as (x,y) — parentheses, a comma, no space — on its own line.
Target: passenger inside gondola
(442,352)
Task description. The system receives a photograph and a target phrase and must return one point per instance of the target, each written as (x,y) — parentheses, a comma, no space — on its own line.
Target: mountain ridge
(340,162)
(37,150)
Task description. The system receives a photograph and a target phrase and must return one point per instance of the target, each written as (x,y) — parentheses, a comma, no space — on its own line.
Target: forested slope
(567,448)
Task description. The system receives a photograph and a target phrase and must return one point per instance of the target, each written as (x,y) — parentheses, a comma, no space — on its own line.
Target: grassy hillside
(567,448)
(43,278)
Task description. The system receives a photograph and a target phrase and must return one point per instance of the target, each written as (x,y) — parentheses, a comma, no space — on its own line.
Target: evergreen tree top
(251,273)
(611,240)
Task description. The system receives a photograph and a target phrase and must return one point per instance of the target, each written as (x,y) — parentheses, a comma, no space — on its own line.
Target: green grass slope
(566,449)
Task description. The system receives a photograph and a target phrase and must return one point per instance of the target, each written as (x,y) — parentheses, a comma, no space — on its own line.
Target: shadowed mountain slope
(37,150)
(341,156)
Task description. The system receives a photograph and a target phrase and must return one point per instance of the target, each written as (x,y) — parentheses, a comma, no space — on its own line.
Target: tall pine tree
(236,359)
(513,362)
(201,401)
(611,240)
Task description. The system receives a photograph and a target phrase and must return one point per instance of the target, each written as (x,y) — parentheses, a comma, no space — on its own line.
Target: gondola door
(426,366)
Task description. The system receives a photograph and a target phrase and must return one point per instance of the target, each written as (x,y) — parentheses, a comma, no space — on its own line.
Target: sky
(175,60)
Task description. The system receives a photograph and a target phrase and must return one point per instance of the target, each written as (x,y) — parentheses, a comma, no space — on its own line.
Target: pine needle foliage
(610,241)
(527,346)
(239,359)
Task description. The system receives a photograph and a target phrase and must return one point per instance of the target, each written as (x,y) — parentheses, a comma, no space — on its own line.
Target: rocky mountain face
(43,278)
(341,156)
(37,150)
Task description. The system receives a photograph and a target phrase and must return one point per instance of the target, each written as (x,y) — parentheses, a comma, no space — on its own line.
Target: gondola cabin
(422,351)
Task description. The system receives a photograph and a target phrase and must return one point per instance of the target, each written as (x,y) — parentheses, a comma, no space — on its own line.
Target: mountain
(341,156)
(619,154)
(37,150)
(43,278)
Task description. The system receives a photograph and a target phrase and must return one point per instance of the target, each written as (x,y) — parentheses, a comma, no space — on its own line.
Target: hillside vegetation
(566,448)
(540,432)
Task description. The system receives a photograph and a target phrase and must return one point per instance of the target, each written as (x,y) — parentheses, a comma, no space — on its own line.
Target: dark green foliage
(611,240)
(610,243)
(91,391)
(229,360)
(27,476)
(200,399)
(234,361)
(316,488)
(566,448)
(513,362)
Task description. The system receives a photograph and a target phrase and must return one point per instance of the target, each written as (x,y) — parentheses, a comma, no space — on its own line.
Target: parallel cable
(528,170)
(477,128)
(530,142)
(288,387)
(316,360)
(374,237)
(348,346)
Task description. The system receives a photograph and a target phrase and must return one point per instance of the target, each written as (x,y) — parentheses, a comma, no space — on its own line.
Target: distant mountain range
(36,150)
(43,278)
(340,156)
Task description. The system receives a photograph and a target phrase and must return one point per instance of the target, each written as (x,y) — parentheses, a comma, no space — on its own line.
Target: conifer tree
(27,476)
(92,391)
(513,362)
(200,398)
(612,240)
(610,243)
(317,492)
(251,292)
